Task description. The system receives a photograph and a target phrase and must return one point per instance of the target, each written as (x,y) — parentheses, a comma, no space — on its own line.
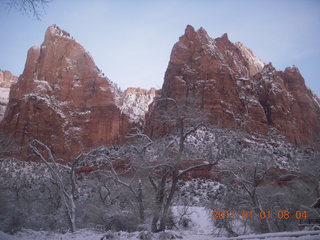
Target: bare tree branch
(30,7)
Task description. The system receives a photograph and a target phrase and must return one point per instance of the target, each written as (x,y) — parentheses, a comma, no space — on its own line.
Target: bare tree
(184,120)
(130,173)
(18,179)
(161,160)
(248,170)
(67,188)
(310,169)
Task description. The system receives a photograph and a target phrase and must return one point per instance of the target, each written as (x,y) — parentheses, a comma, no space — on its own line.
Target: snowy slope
(255,64)
(135,103)
(201,222)
(4,98)
(93,235)
(4,95)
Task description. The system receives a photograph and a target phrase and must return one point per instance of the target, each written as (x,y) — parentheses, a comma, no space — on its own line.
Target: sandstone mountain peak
(292,68)
(63,99)
(189,32)
(236,89)
(202,31)
(55,31)
(61,67)
(225,37)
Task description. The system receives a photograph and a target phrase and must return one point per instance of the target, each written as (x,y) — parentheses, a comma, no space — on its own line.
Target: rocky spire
(63,99)
(236,89)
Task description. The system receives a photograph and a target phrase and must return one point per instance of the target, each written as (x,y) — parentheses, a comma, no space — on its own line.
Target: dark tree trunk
(159,204)
(140,202)
(164,217)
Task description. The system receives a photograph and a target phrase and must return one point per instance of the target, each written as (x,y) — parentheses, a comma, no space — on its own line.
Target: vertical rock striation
(63,99)
(238,90)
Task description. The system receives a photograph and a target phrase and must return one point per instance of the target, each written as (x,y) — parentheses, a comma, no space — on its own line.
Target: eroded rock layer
(64,100)
(238,90)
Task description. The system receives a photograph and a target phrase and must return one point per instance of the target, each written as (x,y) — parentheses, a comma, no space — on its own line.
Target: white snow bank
(305,235)
(200,219)
(4,95)
(85,234)
(27,234)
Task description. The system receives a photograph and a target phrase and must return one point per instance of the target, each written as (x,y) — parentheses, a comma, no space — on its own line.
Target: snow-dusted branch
(68,196)
(204,165)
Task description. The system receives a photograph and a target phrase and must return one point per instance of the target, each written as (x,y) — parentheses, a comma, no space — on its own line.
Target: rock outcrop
(63,100)
(6,80)
(135,102)
(236,89)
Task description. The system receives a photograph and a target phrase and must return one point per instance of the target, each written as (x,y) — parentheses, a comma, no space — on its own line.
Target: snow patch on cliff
(4,95)
(255,64)
(4,99)
(55,30)
(135,103)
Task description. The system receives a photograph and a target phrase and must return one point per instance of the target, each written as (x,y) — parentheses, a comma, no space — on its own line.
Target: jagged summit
(61,67)
(268,68)
(220,50)
(236,89)
(189,32)
(225,37)
(63,99)
(202,31)
(55,31)
(292,68)
(200,34)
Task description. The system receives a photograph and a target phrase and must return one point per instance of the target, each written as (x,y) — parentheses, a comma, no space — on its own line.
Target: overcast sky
(131,41)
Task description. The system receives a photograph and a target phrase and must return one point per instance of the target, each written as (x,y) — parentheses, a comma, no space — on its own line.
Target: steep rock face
(6,80)
(255,65)
(236,89)
(63,99)
(289,105)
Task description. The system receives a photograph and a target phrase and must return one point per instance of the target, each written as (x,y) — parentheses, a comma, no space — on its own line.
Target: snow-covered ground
(200,228)
(27,234)
(93,235)
(201,222)
(305,235)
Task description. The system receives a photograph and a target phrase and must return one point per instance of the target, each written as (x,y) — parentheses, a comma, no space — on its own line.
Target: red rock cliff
(63,99)
(237,90)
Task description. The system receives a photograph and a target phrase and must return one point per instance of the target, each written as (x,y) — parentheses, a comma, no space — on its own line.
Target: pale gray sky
(131,41)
